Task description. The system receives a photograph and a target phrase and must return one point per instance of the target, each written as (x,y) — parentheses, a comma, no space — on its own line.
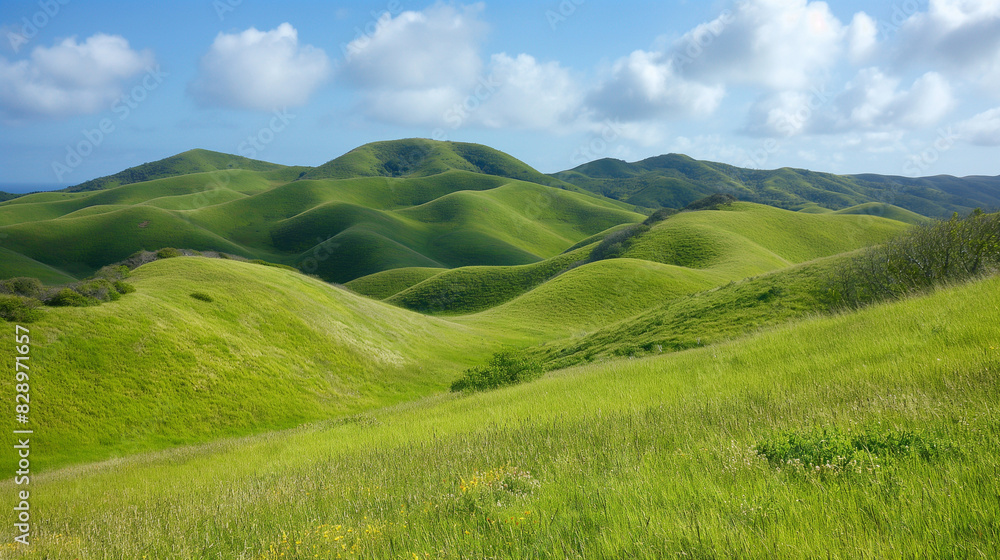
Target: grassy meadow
(648,458)
(744,381)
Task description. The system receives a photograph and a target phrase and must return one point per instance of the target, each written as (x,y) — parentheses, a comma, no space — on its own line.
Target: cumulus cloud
(779,44)
(418,65)
(70,78)
(982,129)
(418,50)
(872,101)
(260,70)
(523,93)
(645,84)
(862,37)
(959,37)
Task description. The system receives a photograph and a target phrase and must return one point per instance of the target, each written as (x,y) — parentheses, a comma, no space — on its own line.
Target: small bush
(22,286)
(124,287)
(168,253)
(19,309)
(202,296)
(712,202)
(68,297)
(659,216)
(505,368)
(114,272)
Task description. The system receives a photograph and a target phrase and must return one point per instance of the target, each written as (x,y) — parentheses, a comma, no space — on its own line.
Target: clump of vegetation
(615,244)
(712,202)
(659,216)
(203,297)
(168,253)
(22,286)
(18,309)
(68,297)
(927,256)
(506,367)
(833,451)
(22,297)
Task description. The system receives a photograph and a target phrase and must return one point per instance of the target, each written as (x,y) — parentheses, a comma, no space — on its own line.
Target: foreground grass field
(211,347)
(648,458)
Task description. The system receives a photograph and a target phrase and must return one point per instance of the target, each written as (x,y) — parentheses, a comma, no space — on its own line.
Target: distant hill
(418,157)
(388,205)
(191,161)
(675,180)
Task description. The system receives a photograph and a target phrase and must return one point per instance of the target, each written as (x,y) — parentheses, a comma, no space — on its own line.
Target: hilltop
(412,204)
(675,180)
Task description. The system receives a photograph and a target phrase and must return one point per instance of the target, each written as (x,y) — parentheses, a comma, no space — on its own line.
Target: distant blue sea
(20,188)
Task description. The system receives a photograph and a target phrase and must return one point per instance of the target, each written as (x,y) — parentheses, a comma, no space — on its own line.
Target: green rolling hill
(387,205)
(675,180)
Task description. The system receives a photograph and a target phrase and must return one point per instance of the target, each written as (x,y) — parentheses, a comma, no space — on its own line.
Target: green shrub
(19,309)
(168,253)
(712,202)
(202,296)
(68,297)
(22,286)
(924,257)
(114,272)
(124,287)
(506,367)
(659,216)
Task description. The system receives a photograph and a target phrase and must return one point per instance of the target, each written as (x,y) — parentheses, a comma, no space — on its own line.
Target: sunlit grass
(646,458)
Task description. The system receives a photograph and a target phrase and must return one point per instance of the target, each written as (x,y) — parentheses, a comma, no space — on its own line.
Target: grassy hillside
(668,456)
(675,180)
(191,161)
(360,214)
(382,285)
(886,211)
(475,288)
(272,349)
(747,239)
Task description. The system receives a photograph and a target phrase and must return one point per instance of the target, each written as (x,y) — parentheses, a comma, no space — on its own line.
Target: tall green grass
(648,458)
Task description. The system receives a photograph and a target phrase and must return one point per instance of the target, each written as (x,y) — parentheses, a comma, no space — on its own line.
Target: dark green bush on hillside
(18,309)
(22,286)
(168,253)
(68,297)
(505,368)
(659,216)
(926,256)
(712,202)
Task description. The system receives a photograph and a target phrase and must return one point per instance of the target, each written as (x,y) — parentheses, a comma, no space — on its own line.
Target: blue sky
(910,87)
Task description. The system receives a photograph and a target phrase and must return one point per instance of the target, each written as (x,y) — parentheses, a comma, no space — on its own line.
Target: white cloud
(521,92)
(417,50)
(874,100)
(418,66)
(862,37)
(261,70)
(958,37)
(70,78)
(779,44)
(646,85)
(982,129)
